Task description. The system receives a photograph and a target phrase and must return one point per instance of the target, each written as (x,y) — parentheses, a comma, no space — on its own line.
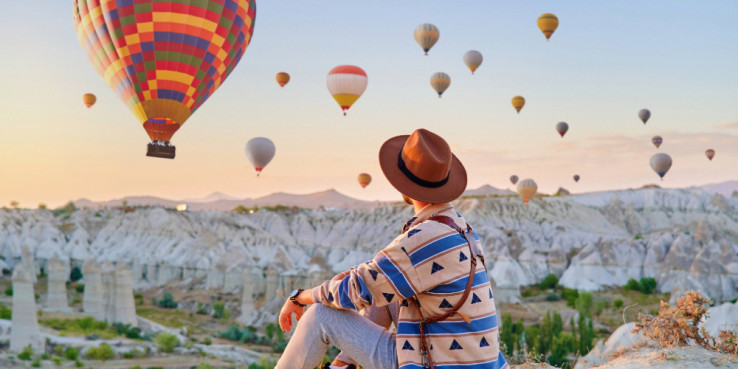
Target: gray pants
(359,338)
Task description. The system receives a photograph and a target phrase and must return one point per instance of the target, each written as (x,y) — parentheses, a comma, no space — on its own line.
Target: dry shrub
(678,325)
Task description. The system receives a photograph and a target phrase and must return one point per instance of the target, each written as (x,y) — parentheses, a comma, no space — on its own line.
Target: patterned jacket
(430,261)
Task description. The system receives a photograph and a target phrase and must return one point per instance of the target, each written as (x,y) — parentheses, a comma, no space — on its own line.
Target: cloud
(731,125)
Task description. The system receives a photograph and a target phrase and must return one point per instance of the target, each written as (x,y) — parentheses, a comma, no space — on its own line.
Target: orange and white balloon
(282,78)
(89,99)
(346,83)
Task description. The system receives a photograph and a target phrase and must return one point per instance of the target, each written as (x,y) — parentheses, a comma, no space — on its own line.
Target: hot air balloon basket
(158,149)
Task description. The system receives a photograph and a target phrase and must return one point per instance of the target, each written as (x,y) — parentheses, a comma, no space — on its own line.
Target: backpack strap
(475,253)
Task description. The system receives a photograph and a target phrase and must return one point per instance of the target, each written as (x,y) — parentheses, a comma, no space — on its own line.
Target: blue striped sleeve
(436,247)
(343,293)
(395,275)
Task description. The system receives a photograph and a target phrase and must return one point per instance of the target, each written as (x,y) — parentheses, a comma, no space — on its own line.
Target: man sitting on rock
(435,271)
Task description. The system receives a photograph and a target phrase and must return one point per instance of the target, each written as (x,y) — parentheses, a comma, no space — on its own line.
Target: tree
(167,301)
(544,344)
(506,335)
(532,337)
(166,342)
(549,282)
(647,285)
(75,275)
(584,303)
(241,209)
(557,325)
(632,285)
(14,204)
(42,206)
(560,348)
(570,295)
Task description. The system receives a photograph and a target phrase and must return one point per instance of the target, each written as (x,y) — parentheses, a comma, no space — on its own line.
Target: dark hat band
(415,179)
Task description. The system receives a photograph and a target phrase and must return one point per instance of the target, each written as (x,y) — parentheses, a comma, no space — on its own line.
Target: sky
(605,62)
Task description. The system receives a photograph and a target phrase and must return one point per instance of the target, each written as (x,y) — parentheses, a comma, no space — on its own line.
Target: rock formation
(25,324)
(124,307)
(93,302)
(29,262)
(56,294)
(108,281)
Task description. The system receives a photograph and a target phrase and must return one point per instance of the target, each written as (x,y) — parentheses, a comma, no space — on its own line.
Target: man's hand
(285,316)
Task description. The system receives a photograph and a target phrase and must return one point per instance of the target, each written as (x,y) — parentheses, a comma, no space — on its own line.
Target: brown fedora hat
(422,167)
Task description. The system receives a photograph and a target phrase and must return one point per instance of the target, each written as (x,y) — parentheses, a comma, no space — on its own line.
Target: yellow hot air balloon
(426,35)
(346,83)
(89,99)
(548,23)
(518,102)
(364,179)
(440,82)
(527,188)
(282,78)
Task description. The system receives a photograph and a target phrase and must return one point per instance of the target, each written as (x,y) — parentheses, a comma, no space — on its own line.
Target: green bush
(103,352)
(75,275)
(139,298)
(132,354)
(204,366)
(166,342)
(201,309)
(6,312)
(26,354)
(167,301)
(71,354)
(218,310)
(648,285)
(207,341)
(618,303)
(44,356)
(36,363)
(78,364)
(57,361)
(584,303)
(58,350)
(632,285)
(80,288)
(553,297)
(9,291)
(550,281)
(601,306)
(570,296)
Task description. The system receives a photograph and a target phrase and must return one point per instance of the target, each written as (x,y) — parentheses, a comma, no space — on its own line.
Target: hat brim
(450,191)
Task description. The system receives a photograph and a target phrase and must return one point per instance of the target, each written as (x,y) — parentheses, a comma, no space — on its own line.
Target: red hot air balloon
(656,141)
(710,153)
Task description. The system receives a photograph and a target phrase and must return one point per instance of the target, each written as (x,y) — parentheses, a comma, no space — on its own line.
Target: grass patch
(80,327)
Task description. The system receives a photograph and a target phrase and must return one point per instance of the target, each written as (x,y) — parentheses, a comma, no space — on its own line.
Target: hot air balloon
(656,141)
(710,153)
(426,35)
(527,188)
(562,127)
(260,151)
(514,179)
(644,114)
(346,83)
(473,59)
(440,82)
(282,78)
(518,102)
(576,178)
(660,163)
(548,23)
(364,179)
(164,59)
(89,99)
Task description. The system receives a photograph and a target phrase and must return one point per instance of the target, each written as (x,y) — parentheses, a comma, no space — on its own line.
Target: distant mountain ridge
(222,202)
(724,188)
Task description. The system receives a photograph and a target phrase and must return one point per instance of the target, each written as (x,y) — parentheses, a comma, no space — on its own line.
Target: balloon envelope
(660,163)
(562,128)
(164,59)
(440,82)
(576,178)
(282,78)
(518,102)
(473,59)
(346,83)
(548,23)
(364,179)
(426,35)
(527,188)
(644,114)
(514,179)
(710,153)
(656,141)
(260,151)
(89,99)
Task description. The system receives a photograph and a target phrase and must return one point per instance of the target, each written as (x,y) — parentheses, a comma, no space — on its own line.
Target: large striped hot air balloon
(346,83)
(164,58)
(426,35)
(440,82)
(548,23)
(89,99)
(518,102)
(282,78)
